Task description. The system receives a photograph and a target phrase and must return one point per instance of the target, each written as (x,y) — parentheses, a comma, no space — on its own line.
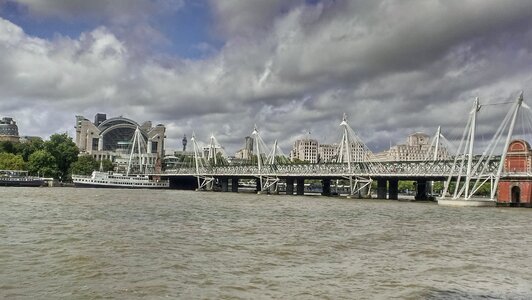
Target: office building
(8,130)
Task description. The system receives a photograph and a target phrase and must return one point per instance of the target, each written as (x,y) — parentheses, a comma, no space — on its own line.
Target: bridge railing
(394,169)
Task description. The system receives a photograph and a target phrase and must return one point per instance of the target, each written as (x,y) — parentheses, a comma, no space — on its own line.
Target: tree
(9,161)
(65,152)
(106,165)
(406,185)
(8,147)
(43,163)
(84,165)
(27,148)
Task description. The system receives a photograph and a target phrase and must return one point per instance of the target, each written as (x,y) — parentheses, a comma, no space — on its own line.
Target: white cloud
(287,66)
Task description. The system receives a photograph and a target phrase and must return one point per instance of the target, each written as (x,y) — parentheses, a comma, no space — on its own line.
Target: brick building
(516,188)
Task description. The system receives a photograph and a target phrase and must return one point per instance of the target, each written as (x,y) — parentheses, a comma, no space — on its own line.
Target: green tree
(43,163)
(8,147)
(26,149)
(106,165)
(297,161)
(84,165)
(405,185)
(65,152)
(9,161)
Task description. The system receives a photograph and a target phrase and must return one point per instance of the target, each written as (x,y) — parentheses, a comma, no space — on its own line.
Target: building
(312,151)
(112,138)
(247,152)
(209,152)
(517,189)
(305,150)
(327,152)
(8,130)
(417,148)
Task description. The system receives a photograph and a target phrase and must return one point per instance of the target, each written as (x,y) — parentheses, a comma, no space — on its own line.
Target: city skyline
(219,67)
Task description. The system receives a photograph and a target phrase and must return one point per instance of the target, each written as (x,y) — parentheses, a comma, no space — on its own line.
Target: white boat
(118,180)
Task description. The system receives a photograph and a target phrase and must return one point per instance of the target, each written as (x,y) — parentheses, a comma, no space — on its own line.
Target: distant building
(243,154)
(112,138)
(517,190)
(312,151)
(417,148)
(246,152)
(209,152)
(8,130)
(179,159)
(327,152)
(305,150)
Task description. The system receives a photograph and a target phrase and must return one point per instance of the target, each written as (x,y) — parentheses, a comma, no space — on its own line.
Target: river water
(67,243)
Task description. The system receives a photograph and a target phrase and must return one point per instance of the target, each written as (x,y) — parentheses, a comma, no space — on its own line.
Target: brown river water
(67,243)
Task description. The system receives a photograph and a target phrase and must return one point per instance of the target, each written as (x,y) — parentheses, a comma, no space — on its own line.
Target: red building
(516,188)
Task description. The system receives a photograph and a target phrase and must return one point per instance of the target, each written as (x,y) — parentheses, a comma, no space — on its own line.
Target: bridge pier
(234,185)
(225,184)
(326,187)
(274,188)
(289,186)
(421,187)
(381,188)
(258,188)
(393,189)
(300,189)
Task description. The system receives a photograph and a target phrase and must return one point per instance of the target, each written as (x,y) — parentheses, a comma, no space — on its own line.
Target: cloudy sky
(289,66)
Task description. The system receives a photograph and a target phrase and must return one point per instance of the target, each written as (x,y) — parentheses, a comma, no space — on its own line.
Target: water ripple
(118,244)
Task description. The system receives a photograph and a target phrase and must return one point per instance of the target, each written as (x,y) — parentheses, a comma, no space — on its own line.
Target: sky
(291,68)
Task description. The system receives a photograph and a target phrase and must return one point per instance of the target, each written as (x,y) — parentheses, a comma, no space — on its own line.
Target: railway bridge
(463,173)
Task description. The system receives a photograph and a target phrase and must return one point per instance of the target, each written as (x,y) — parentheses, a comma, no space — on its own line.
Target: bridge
(463,173)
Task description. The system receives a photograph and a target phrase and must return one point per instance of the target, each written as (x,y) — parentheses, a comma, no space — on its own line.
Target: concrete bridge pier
(289,186)
(234,185)
(326,187)
(421,187)
(258,188)
(300,189)
(393,189)
(381,188)
(225,184)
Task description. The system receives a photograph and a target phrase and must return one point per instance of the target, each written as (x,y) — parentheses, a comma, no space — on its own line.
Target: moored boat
(19,178)
(117,180)
(135,177)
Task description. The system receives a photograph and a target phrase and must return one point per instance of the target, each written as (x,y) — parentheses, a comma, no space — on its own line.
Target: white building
(417,148)
(327,152)
(305,150)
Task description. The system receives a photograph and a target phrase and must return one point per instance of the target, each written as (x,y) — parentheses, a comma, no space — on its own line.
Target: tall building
(416,148)
(327,152)
(112,138)
(8,130)
(305,150)
(246,152)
